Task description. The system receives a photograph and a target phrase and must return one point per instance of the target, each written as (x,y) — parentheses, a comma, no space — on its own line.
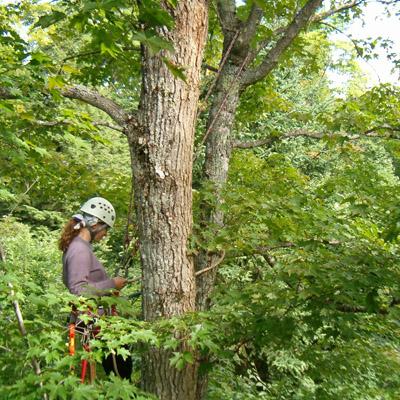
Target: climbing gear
(88,332)
(100,208)
(71,335)
(89,221)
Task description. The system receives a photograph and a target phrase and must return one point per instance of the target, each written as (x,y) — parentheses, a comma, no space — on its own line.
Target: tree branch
(251,25)
(226,10)
(317,18)
(238,144)
(361,309)
(212,266)
(2,253)
(210,68)
(370,133)
(21,325)
(108,125)
(333,11)
(356,47)
(269,259)
(95,99)
(94,52)
(290,33)
(265,250)
(383,127)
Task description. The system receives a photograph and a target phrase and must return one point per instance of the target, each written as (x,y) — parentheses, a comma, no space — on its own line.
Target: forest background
(301,238)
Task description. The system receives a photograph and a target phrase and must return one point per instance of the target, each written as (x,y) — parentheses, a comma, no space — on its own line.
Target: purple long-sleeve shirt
(82,271)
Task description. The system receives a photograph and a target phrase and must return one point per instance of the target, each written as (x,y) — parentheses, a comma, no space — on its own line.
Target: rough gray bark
(162,166)
(215,170)
(162,151)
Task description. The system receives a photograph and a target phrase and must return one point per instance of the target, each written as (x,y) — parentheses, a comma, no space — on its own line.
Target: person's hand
(119,282)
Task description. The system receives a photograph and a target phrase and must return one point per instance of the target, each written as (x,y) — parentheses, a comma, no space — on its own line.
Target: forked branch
(301,19)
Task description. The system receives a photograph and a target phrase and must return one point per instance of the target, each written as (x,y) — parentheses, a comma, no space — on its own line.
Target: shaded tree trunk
(162,151)
(215,169)
(235,77)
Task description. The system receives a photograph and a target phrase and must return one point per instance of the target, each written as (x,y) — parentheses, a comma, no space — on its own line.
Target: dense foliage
(306,303)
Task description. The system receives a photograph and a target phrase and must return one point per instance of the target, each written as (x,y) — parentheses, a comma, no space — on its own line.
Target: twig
(22,196)
(2,254)
(215,264)
(356,47)
(21,325)
(114,361)
(269,259)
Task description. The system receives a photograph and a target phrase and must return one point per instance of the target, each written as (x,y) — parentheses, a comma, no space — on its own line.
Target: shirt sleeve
(79,263)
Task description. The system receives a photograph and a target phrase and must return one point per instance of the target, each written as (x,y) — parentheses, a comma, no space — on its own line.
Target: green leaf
(47,20)
(55,82)
(177,71)
(153,42)
(154,16)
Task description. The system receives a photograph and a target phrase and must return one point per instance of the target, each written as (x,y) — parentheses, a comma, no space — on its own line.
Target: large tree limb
(95,99)
(250,26)
(370,133)
(239,144)
(315,19)
(301,19)
(89,96)
(226,10)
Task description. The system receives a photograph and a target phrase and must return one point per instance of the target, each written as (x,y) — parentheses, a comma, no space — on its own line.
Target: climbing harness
(88,332)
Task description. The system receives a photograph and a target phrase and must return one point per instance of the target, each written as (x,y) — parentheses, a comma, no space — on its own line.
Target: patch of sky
(376,23)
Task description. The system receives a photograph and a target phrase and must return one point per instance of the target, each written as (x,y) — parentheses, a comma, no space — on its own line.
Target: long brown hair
(68,234)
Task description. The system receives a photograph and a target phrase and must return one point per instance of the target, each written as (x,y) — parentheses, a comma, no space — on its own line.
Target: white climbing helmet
(101,209)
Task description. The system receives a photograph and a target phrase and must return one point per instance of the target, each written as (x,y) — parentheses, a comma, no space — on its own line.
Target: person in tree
(83,274)
(82,271)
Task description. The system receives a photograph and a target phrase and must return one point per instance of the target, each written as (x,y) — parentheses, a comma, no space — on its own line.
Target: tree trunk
(162,153)
(215,170)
